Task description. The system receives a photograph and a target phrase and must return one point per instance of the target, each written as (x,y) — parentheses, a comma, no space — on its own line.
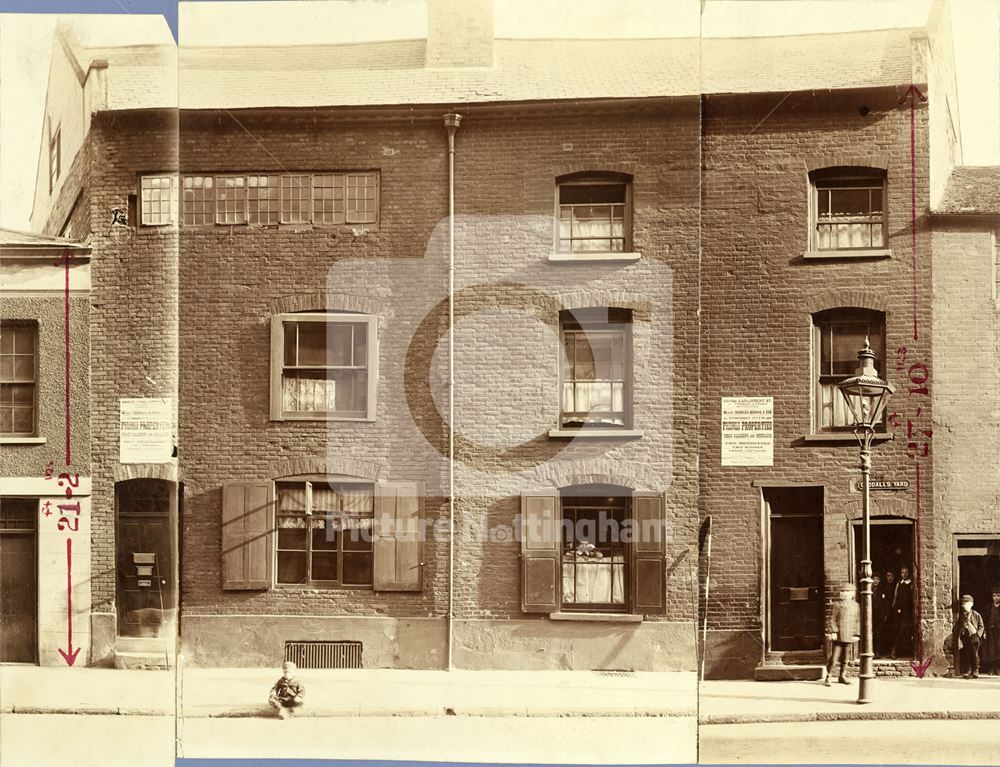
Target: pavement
(242,692)
(906,698)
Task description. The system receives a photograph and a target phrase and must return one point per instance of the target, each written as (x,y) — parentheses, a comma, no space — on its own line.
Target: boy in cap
(842,629)
(288,692)
(967,633)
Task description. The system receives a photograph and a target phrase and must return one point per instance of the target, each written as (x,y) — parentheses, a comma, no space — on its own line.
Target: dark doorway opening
(145,549)
(795,617)
(893,602)
(18,580)
(978,571)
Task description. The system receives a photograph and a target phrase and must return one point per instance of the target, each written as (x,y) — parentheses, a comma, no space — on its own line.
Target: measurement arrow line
(69,655)
(66,257)
(913,93)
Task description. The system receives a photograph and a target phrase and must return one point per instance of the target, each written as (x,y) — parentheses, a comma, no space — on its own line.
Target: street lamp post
(866,395)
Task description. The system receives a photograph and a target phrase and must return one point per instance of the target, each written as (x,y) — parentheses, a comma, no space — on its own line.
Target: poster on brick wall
(747,431)
(145,430)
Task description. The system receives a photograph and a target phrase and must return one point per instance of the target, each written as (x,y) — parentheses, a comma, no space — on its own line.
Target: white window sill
(840,436)
(318,419)
(860,253)
(574,257)
(596,617)
(595,433)
(22,440)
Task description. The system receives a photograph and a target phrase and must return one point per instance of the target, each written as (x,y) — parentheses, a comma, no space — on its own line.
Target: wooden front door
(795,569)
(145,557)
(18,581)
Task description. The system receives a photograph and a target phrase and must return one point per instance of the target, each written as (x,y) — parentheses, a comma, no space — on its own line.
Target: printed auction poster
(146,433)
(747,431)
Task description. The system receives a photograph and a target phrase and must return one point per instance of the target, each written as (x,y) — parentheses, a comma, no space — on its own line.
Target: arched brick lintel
(345,466)
(125,471)
(323,301)
(831,161)
(850,297)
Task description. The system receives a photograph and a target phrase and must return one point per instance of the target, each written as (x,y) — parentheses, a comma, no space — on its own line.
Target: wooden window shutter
(540,548)
(648,553)
(247,535)
(396,543)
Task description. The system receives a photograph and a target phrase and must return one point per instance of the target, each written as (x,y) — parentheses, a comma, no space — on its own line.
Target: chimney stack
(459,33)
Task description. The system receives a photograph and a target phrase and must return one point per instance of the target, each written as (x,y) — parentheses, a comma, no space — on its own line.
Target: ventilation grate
(324,654)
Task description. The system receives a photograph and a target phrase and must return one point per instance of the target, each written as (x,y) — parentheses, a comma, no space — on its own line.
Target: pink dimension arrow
(914,94)
(69,654)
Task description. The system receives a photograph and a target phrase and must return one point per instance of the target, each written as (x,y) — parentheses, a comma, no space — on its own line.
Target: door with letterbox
(794,549)
(145,556)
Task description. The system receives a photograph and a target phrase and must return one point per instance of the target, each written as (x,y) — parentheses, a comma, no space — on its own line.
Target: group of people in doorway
(892,614)
(975,641)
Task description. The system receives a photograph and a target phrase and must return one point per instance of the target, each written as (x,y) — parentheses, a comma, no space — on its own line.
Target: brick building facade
(573,267)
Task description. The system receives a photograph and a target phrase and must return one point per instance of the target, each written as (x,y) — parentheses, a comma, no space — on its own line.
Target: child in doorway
(288,692)
(992,652)
(842,629)
(966,635)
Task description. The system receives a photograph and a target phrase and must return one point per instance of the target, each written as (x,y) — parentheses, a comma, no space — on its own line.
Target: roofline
(702,37)
(972,216)
(433,110)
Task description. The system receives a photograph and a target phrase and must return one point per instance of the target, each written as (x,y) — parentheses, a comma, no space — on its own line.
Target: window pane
(575,194)
(24,420)
(6,368)
(324,566)
(340,344)
(292,537)
(231,200)
(360,344)
(325,536)
(849,202)
(295,198)
(357,569)
(847,340)
(6,420)
(359,536)
(22,394)
(262,199)
(6,339)
(291,342)
(312,343)
(291,567)
(24,368)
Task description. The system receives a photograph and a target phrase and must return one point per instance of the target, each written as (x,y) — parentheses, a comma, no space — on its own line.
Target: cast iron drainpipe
(451,123)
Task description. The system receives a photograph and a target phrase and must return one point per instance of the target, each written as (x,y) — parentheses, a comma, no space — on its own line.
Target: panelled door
(795,569)
(145,556)
(18,580)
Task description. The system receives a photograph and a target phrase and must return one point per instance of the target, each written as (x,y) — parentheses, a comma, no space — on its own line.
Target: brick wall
(234,279)
(134,308)
(758,295)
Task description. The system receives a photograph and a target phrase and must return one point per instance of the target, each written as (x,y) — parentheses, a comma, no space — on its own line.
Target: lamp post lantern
(866,395)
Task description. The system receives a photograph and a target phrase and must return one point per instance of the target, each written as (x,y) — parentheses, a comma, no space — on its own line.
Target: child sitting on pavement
(288,692)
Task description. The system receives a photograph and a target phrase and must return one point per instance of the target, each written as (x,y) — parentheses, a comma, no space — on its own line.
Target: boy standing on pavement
(842,629)
(288,692)
(968,631)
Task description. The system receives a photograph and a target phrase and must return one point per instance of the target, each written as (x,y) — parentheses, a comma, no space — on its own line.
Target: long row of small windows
(259,199)
(593,211)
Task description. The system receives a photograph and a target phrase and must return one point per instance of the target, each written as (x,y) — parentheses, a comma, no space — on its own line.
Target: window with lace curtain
(849,211)
(323,366)
(593,213)
(324,533)
(838,334)
(596,368)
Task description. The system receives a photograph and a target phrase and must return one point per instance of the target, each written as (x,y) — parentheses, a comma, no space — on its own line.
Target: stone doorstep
(144,661)
(778,672)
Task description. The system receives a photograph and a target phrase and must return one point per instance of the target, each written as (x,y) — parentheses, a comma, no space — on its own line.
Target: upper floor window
(18,384)
(838,334)
(324,533)
(323,366)
(593,213)
(290,198)
(596,368)
(55,157)
(158,200)
(848,209)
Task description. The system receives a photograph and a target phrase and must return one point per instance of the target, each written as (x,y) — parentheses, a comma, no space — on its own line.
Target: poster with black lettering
(747,431)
